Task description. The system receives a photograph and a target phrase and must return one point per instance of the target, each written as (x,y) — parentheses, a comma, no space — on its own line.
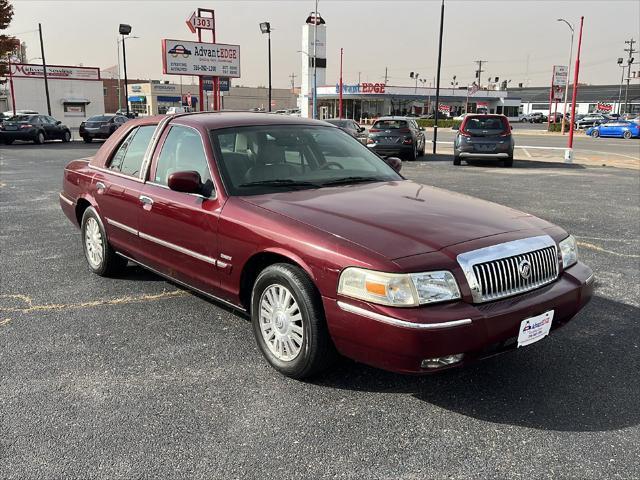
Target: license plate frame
(534,329)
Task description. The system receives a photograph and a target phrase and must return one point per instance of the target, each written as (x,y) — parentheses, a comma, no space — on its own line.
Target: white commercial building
(75,93)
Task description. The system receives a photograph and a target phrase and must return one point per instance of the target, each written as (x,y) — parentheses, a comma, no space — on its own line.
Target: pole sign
(559,81)
(181,57)
(604,107)
(203,23)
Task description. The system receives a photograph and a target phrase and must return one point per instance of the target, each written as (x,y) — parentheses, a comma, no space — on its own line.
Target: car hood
(397,219)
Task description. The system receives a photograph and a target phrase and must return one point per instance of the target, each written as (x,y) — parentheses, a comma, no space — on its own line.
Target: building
(155,97)
(590,98)
(75,93)
(247,98)
(113,92)
(369,100)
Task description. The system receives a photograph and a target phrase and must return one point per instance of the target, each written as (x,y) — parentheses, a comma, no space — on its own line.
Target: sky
(520,40)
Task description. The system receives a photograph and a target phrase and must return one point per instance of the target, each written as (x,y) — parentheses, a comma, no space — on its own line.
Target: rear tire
(8,142)
(595,134)
(39,138)
(456,160)
(101,257)
(508,163)
(627,135)
(87,139)
(413,155)
(289,323)
(66,137)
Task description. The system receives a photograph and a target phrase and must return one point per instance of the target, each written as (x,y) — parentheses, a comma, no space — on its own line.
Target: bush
(423,122)
(557,127)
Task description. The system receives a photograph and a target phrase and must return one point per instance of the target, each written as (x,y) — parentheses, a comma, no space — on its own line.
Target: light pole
(435,123)
(626,92)
(454,85)
(621,64)
(566,87)
(265,27)
(120,69)
(125,30)
(415,76)
(340,105)
(316,20)
(574,95)
(44,70)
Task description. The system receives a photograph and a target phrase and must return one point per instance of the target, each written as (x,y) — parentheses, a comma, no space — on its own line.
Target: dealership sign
(362,88)
(604,107)
(180,57)
(203,23)
(54,72)
(444,108)
(558,81)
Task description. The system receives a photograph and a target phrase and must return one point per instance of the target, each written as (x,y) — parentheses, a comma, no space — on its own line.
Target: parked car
(461,117)
(556,117)
(535,117)
(281,112)
(349,126)
(397,136)
(616,128)
(484,136)
(101,126)
(590,120)
(324,252)
(33,128)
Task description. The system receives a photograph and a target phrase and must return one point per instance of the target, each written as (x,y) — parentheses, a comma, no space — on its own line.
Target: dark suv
(484,136)
(101,126)
(397,136)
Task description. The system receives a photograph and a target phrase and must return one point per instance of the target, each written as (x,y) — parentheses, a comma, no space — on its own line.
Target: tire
(309,348)
(39,138)
(456,160)
(508,163)
(595,134)
(421,151)
(413,154)
(100,256)
(87,139)
(8,142)
(66,136)
(627,135)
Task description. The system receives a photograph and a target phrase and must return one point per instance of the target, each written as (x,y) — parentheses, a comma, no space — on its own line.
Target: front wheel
(66,136)
(39,139)
(595,134)
(288,322)
(626,135)
(101,257)
(87,139)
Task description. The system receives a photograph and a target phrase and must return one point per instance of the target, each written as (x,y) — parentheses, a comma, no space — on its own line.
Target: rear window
(100,118)
(390,124)
(23,118)
(486,124)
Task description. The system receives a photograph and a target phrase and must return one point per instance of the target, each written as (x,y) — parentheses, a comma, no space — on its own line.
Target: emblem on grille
(524,269)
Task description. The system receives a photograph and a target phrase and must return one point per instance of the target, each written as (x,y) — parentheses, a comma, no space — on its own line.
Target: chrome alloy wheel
(281,322)
(93,243)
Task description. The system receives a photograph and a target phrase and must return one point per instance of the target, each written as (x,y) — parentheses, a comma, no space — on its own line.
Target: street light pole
(315,62)
(44,70)
(576,73)
(125,30)
(435,123)
(265,27)
(340,104)
(620,63)
(566,87)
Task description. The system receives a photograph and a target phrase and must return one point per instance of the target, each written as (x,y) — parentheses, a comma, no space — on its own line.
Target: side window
(183,151)
(128,158)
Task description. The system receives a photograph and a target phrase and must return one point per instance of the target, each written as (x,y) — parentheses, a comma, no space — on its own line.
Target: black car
(482,137)
(591,120)
(33,128)
(349,126)
(390,136)
(101,126)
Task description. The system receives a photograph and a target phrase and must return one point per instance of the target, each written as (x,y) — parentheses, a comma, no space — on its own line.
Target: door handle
(100,187)
(146,200)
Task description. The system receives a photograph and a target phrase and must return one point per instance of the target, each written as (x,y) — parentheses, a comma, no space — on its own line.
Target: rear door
(117,189)
(178,231)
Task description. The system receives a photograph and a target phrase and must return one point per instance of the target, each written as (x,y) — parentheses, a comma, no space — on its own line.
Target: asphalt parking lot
(135,377)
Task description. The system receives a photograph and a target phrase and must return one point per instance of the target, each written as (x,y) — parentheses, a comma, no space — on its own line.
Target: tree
(8,43)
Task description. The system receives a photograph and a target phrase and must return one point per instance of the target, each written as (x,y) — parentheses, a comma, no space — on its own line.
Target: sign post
(558,82)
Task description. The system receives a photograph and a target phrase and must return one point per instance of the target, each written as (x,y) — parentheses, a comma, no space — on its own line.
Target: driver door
(178,231)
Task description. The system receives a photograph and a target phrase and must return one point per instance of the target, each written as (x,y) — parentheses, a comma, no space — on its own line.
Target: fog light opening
(439,362)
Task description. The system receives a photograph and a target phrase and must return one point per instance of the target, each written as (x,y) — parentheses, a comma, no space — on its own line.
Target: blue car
(617,128)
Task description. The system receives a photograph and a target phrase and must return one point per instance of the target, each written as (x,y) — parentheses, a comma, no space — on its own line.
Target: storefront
(369,100)
(75,93)
(155,98)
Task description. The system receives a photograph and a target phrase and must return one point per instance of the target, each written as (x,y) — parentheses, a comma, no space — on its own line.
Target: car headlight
(569,251)
(398,289)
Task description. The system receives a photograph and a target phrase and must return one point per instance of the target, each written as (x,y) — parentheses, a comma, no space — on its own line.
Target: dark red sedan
(322,243)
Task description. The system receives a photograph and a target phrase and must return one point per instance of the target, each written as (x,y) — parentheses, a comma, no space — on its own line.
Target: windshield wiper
(280,182)
(348,180)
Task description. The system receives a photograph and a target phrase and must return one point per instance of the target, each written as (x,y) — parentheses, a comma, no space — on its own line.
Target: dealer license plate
(489,147)
(534,328)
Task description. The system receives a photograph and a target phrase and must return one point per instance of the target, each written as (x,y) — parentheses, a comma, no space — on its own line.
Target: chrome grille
(495,272)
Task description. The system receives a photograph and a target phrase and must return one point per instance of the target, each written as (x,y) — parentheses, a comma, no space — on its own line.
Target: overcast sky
(520,40)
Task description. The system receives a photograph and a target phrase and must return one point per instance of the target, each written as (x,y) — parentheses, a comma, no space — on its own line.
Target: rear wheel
(39,138)
(8,141)
(413,154)
(626,135)
(508,162)
(87,139)
(456,159)
(101,257)
(66,136)
(288,322)
(595,133)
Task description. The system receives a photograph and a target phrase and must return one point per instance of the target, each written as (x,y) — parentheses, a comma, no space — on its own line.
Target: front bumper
(478,331)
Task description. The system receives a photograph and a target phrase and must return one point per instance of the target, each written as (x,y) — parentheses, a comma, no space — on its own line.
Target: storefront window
(74,109)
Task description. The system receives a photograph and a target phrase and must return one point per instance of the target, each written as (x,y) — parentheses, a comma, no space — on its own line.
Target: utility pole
(359,77)
(437,112)
(479,72)
(46,80)
(293,81)
(631,51)
(386,75)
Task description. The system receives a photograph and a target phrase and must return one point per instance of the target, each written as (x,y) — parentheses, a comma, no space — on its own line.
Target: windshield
(339,123)
(485,125)
(264,159)
(100,118)
(389,124)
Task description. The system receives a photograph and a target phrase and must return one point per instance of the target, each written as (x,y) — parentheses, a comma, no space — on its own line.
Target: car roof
(396,117)
(215,120)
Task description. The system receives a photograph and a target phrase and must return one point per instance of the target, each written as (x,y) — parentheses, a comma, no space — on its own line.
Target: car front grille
(510,268)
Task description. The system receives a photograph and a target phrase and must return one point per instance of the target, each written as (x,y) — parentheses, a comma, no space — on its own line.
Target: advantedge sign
(180,57)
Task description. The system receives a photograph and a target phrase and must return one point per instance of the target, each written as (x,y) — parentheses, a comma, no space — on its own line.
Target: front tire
(87,139)
(66,137)
(100,256)
(595,134)
(627,135)
(39,138)
(288,322)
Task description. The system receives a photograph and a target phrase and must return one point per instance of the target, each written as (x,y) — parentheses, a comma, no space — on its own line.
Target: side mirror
(394,162)
(58,122)
(187,182)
